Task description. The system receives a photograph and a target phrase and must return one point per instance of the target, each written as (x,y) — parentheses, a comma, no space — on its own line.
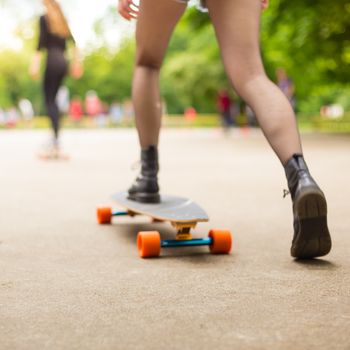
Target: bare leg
(156,22)
(237,28)
(237,25)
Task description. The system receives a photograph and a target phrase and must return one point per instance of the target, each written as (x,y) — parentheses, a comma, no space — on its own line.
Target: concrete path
(67,283)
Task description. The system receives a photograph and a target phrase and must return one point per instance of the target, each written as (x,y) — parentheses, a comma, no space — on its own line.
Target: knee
(243,70)
(149,60)
(245,79)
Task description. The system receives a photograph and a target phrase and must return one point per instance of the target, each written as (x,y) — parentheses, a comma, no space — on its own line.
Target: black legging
(56,69)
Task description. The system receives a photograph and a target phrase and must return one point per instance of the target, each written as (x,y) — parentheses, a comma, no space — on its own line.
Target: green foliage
(14,81)
(309,38)
(108,73)
(193,72)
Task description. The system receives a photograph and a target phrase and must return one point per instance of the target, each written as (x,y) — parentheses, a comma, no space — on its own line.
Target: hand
(265,4)
(34,72)
(34,69)
(77,70)
(128,9)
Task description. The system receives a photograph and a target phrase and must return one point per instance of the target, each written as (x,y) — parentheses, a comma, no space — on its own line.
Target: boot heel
(313,238)
(310,204)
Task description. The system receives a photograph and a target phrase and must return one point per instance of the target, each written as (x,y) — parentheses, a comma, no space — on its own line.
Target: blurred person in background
(27,111)
(12,117)
(116,113)
(63,100)
(237,27)
(76,110)
(128,108)
(224,104)
(93,105)
(2,117)
(286,85)
(53,37)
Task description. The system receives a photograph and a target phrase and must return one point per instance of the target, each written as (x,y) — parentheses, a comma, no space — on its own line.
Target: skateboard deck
(171,208)
(53,156)
(182,213)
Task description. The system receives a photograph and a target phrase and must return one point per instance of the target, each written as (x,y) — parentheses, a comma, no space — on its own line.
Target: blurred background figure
(27,111)
(190,114)
(251,117)
(63,100)
(224,105)
(76,110)
(116,113)
(12,117)
(93,105)
(53,37)
(286,85)
(2,117)
(128,110)
(102,118)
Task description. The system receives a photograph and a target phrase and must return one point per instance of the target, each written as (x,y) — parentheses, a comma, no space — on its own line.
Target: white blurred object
(62,99)
(2,117)
(26,108)
(334,111)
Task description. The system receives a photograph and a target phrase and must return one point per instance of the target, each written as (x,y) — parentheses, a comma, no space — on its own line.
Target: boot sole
(145,197)
(313,238)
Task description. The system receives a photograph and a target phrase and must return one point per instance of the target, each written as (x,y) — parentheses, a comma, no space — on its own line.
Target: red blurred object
(190,113)
(76,109)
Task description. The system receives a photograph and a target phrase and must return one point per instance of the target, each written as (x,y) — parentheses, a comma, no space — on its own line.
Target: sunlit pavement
(67,283)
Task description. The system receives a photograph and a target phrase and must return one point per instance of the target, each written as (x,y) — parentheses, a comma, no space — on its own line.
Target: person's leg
(54,75)
(50,102)
(155,24)
(237,26)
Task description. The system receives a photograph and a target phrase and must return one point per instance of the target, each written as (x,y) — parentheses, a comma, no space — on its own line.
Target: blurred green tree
(309,38)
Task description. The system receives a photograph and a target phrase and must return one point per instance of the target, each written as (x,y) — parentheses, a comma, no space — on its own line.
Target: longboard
(52,156)
(182,213)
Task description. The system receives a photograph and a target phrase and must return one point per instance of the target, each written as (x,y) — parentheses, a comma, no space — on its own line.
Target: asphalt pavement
(68,283)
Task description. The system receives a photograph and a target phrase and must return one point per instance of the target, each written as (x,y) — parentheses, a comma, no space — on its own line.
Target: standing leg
(54,75)
(156,22)
(50,91)
(237,26)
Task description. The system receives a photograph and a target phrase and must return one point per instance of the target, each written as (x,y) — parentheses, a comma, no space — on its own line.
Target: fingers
(34,73)
(35,76)
(128,9)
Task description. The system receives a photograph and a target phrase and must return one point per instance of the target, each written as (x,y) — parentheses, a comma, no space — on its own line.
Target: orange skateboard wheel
(222,241)
(104,215)
(148,244)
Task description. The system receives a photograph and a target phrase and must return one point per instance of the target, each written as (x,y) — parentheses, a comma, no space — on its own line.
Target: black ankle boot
(311,235)
(145,188)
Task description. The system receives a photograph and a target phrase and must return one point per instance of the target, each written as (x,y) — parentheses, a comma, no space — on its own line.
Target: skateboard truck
(184,230)
(149,243)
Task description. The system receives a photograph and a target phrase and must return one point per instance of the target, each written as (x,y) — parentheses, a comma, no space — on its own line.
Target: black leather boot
(311,235)
(145,188)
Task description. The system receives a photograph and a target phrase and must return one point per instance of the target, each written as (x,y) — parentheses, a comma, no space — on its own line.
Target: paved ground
(67,283)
